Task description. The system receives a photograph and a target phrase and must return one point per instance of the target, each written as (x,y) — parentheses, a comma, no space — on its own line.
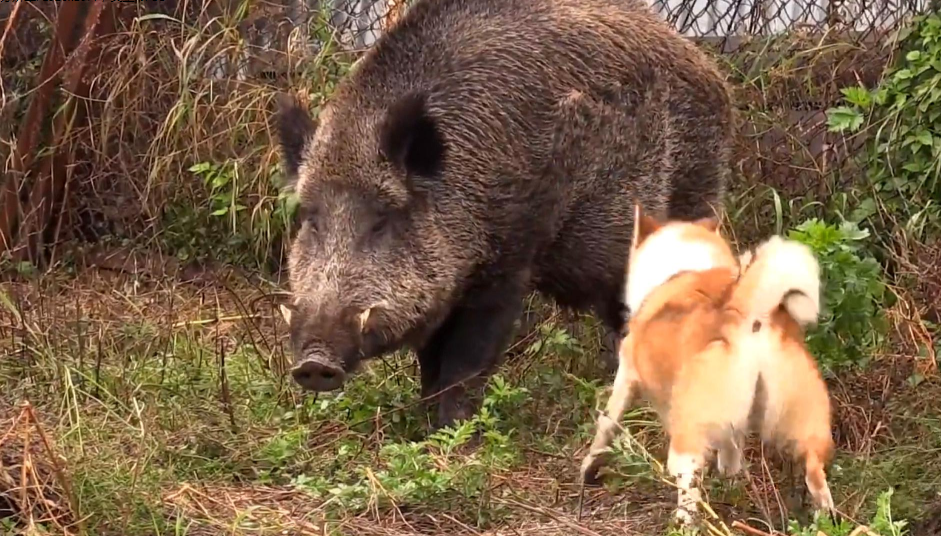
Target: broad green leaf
(844,118)
(220,180)
(858,96)
(925,138)
(200,167)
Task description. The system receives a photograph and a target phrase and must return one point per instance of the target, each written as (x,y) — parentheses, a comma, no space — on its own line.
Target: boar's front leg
(468,346)
(429,359)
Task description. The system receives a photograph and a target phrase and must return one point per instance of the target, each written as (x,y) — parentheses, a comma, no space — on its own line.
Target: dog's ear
(644,225)
(710,224)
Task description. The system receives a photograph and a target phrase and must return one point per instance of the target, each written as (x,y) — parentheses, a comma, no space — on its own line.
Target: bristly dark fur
(485,148)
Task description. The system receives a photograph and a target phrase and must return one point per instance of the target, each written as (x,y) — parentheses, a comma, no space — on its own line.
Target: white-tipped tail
(781,272)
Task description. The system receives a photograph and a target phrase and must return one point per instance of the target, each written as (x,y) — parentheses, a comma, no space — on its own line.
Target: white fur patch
(684,467)
(822,497)
(788,265)
(661,256)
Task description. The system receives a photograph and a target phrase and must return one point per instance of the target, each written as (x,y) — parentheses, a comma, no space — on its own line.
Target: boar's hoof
(453,409)
(609,352)
(318,375)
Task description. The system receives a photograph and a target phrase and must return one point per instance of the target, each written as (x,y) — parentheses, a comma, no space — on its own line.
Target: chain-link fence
(765,17)
(357,24)
(361,22)
(159,92)
(787,60)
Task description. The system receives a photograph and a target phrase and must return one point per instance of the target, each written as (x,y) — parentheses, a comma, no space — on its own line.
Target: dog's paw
(729,463)
(823,501)
(591,466)
(686,518)
(825,507)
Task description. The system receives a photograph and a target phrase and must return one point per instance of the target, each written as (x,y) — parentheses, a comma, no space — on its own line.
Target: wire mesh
(176,63)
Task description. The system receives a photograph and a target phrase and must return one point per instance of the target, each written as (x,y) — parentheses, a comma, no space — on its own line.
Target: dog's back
(690,347)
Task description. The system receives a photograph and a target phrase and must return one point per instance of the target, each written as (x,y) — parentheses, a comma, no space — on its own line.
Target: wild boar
(478,151)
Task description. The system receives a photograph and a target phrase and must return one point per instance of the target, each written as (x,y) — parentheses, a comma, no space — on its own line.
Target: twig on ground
(57,467)
(863,529)
(581,500)
(554,516)
(3,40)
(749,529)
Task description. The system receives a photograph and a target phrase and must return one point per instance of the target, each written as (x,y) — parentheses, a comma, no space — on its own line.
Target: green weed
(422,474)
(882,522)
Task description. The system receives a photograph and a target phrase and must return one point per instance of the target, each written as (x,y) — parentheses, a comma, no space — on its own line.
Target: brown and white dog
(713,337)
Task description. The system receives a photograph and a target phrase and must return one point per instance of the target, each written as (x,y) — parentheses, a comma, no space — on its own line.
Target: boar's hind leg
(464,351)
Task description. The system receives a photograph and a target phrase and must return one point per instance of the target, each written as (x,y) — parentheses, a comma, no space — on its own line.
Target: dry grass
(148,426)
(35,488)
(176,101)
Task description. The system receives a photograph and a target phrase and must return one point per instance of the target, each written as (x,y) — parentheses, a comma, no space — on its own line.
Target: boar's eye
(379,229)
(379,226)
(307,214)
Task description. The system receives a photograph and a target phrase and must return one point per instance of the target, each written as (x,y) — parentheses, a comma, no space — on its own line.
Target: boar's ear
(644,225)
(409,138)
(295,128)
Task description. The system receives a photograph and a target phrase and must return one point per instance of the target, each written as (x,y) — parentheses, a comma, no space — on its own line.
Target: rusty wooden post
(52,183)
(78,27)
(31,128)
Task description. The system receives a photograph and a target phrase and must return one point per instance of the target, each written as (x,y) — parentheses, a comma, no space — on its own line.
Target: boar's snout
(317,373)
(329,343)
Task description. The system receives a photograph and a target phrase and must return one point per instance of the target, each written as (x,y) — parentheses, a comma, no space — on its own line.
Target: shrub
(903,118)
(851,323)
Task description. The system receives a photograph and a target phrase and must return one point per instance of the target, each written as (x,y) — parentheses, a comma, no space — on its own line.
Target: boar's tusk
(363,318)
(286,313)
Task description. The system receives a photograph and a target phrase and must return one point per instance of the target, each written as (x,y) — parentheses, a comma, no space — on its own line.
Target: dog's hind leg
(816,479)
(622,397)
(804,423)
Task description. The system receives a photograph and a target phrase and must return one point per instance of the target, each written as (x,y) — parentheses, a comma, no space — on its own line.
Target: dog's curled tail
(780,272)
